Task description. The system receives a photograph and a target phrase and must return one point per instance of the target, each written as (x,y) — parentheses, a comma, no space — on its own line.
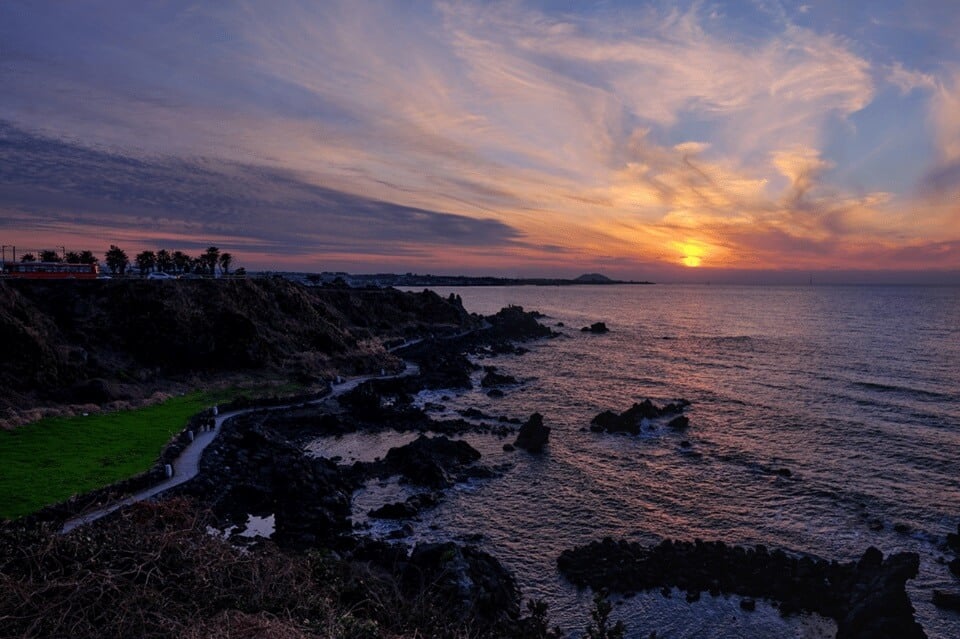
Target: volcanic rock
(867,598)
(464,579)
(596,327)
(533,434)
(431,461)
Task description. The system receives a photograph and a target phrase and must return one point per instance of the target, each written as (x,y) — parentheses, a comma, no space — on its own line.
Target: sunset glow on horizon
(526,137)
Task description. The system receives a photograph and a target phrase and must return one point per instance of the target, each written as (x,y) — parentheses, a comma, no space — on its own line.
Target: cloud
(517,135)
(908,81)
(54,183)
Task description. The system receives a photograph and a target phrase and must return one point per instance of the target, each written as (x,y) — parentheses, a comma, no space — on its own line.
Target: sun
(692,252)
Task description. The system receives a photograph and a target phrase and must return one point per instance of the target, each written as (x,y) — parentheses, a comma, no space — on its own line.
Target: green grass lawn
(48,461)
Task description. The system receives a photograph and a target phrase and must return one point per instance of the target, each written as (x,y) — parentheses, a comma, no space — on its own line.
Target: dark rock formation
(513,323)
(946,600)
(431,461)
(596,327)
(406,509)
(467,581)
(866,598)
(629,420)
(953,540)
(533,434)
(253,469)
(493,379)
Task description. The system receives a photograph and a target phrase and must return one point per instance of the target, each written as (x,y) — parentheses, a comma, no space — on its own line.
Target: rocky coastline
(866,598)
(259,466)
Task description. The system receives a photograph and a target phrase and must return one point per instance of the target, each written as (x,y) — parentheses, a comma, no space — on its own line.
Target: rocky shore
(258,466)
(322,574)
(866,598)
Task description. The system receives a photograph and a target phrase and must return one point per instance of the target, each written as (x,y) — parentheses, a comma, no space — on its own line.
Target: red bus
(49,271)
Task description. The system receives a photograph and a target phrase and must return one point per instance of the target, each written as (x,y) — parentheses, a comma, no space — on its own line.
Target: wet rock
(533,434)
(513,323)
(406,509)
(493,379)
(679,423)
(946,600)
(784,472)
(465,580)
(496,392)
(253,469)
(748,604)
(629,420)
(867,599)
(596,327)
(402,532)
(953,540)
(431,461)
(509,448)
(954,567)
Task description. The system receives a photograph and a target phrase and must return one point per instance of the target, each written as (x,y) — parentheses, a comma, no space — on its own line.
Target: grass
(50,460)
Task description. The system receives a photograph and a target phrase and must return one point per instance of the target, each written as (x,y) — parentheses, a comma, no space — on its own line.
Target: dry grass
(154,571)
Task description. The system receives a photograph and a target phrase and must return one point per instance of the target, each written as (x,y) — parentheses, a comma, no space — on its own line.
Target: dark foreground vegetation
(156,571)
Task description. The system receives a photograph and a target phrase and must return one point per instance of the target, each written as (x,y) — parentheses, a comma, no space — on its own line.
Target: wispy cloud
(542,138)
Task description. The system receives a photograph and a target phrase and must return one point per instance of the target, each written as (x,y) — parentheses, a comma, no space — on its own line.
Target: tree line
(161,261)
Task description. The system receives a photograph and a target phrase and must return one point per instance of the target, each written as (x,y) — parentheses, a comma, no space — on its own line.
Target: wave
(906,390)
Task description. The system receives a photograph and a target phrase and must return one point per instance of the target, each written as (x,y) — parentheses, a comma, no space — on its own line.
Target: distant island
(414,279)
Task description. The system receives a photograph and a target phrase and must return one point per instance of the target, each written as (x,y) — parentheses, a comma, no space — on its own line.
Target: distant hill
(593,278)
(417,280)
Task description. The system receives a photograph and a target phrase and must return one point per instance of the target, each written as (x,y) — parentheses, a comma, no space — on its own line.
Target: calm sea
(855,390)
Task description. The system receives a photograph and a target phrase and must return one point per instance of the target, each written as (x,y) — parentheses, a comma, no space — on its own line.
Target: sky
(767,140)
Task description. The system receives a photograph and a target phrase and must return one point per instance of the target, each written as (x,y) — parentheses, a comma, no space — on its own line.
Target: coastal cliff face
(95,342)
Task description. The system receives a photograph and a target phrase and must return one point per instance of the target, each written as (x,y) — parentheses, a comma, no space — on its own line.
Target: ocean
(854,390)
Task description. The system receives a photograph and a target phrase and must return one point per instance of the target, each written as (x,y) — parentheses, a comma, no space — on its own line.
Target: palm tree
(87,257)
(117,260)
(210,258)
(225,260)
(72,257)
(146,260)
(48,255)
(28,257)
(181,261)
(164,260)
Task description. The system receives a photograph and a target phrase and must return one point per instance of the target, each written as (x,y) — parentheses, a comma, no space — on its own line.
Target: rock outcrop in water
(492,379)
(629,421)
(597,328)
(533,435)
(437,462)
(867,598)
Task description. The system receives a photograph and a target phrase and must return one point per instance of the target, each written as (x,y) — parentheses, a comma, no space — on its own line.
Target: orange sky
(665,140)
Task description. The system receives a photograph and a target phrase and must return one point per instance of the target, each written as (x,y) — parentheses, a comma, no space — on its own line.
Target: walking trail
(187,465)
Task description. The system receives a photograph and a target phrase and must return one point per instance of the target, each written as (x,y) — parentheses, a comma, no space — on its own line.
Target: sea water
(854,390)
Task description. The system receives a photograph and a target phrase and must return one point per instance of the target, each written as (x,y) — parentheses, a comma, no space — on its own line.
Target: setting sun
(692,252)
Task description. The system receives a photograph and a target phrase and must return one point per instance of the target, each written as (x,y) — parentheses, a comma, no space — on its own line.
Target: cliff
(94,342)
